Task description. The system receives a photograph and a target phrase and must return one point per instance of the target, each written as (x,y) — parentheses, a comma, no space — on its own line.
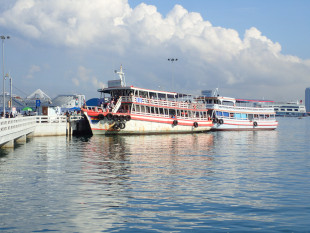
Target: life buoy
(122,125)
(100,117)
(128,118)
(215,120)
(121,118)
(255,123)
(221,121)
(115,117)
(175,122)
(116,125)
(195,124)
(109,116)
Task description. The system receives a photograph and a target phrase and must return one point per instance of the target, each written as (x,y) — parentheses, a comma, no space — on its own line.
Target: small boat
(133,110)
(235,114)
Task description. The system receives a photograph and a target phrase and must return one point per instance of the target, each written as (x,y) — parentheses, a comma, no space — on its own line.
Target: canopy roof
(38,94)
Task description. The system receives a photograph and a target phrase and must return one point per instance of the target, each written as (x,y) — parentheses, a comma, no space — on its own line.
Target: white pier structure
(17,129)
(12,129)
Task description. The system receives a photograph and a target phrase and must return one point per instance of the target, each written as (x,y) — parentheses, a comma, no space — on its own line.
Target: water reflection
(137,178)
(162,183)
(177,181)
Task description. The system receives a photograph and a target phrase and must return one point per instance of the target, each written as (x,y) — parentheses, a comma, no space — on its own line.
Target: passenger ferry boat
(133,110)
(289,109)
(234,114)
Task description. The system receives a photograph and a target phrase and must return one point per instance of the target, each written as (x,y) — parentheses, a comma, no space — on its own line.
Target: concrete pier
(16,129)
(50,126)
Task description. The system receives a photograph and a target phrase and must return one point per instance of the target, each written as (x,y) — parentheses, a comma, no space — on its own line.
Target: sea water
(207,182)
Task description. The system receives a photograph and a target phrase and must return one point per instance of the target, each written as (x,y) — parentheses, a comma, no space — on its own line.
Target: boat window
(218,113)
(250,116)
(171,112)
(185,113)
(226,114)
(166,112)
(229,103)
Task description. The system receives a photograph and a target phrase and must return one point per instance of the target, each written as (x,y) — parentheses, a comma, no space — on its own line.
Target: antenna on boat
(216,92)
(121,76)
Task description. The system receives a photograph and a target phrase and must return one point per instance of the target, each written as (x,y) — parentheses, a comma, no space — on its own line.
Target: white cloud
(84,78)
(32,70)
(97,84)
(76,82)
(209,56)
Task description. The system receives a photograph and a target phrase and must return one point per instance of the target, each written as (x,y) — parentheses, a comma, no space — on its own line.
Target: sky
(256,49)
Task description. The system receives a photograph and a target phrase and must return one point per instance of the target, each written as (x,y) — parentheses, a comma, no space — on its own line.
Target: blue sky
(247,48)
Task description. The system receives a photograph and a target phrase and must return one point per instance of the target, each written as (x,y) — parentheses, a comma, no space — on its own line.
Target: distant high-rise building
(307,99)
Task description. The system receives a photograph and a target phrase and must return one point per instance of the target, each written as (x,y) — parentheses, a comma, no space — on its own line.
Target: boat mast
(121,76)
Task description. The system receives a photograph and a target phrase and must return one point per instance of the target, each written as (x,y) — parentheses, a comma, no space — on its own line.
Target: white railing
(202,117)
(153,102)
(271,118)
(75,118)
(238,108)
(50,119)
(13,128)
(163,103)
(117,105)
(7,124)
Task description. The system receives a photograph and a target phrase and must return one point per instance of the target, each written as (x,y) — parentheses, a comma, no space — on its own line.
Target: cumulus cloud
(209,56)
(84,77)
(32,70)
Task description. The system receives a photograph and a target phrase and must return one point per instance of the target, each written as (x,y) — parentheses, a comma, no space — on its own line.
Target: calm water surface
(213,182)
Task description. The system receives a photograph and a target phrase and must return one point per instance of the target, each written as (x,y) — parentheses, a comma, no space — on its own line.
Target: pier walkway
(16,129)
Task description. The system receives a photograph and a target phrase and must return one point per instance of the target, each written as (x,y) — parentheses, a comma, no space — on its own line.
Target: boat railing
(185,117)
(117,105)
(150,102)
(271,118)
(163,103)
(239,108)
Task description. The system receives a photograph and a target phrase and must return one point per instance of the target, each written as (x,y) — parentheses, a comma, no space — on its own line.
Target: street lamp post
(11,93)
(172,60)
(9,77)
(3,38)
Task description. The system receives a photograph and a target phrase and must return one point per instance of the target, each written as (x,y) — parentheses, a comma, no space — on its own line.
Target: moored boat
(289,109)
(133,110)
(235,114)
